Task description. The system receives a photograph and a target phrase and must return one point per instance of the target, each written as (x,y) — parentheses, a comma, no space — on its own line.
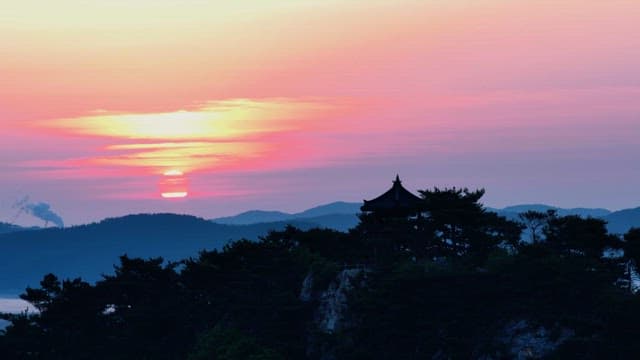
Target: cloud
(221,121)
(212,136)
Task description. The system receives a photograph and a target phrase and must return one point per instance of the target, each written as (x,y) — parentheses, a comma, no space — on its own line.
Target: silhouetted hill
(620,222)
(8,228)
(584,212)
(338,207)
(90,250)
(343,215)
(337,215)
(253,217)
(322,294)
(340,222)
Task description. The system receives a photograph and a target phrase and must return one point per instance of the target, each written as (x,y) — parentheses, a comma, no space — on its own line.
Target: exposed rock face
(518,339)
(331,313)
(332,303)
(634,277)
(306,293)
(524,340)
(630,280)
(332,308)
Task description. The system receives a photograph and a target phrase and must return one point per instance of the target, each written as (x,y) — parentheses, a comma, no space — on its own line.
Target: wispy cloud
(213,121)
(212,136)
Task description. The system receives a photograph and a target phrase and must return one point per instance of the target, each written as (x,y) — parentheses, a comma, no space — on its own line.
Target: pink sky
(289,104)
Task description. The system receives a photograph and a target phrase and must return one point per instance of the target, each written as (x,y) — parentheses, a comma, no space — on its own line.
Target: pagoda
(389,221)
(397,201)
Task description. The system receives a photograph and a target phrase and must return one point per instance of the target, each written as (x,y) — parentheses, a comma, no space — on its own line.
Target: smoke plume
(41,210)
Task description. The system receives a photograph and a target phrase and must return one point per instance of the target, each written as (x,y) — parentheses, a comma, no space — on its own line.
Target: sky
(110,107)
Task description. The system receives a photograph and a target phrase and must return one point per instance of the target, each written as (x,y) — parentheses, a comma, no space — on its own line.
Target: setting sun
(185,179)
(173,172)
(173,195)
(173,184)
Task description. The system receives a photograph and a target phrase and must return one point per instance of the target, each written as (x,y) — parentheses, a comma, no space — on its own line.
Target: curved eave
(396,198)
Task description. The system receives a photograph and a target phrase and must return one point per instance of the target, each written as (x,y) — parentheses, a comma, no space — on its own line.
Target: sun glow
(186,156)
(174,195)
(214,135)
(173,184)
(224,120)
(173,172)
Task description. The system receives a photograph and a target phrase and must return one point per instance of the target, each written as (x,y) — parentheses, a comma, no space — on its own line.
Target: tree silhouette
(455,223)
(573,235)
(535,222)
(41,298)
(244,301)
(632,244)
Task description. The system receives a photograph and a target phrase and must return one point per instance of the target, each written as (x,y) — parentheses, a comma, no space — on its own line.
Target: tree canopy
(443,283)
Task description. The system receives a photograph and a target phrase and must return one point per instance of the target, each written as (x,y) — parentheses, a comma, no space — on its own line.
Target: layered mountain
(88,251)
(618,222)
(337,215)
(9,228)
(343,215)
(584,212)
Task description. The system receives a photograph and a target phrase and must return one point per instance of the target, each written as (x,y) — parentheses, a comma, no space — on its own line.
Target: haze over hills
(90,250)
(26,254)
(618,222)
(337,215)
(343,215)
(621,221)
(595,212)
(7,228)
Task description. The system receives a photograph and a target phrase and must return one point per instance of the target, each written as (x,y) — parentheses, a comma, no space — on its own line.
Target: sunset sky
(110,107)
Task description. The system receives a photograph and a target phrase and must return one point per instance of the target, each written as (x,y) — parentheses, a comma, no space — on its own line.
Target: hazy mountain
(338,207)
(340,222)
(90,250)
(595,212)
(337,215)
(620,222)
(253,217)
(8,228)
(343,215)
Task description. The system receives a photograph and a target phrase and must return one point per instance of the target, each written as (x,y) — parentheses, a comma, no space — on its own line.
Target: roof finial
(397,179)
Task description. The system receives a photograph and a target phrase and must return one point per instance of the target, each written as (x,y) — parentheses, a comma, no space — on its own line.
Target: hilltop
(343,215)
(88,251)
(459,283)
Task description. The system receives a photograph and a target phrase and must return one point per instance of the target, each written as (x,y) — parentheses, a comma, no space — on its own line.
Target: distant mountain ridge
(343,215)
(9,228)
(338,215)
(593,212)
(90,250)
(618,222)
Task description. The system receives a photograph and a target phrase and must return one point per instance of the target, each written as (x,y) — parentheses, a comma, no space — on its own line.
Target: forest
(452,280)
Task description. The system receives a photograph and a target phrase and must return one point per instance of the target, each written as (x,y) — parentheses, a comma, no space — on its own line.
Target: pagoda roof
(396,198)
